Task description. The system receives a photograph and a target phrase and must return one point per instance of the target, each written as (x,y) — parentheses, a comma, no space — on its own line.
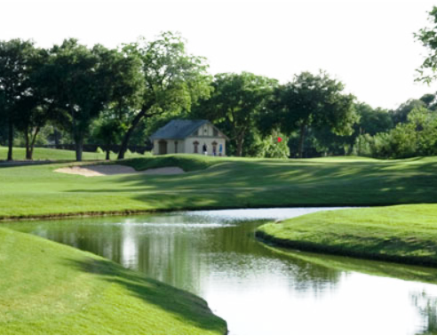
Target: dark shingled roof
(178,129)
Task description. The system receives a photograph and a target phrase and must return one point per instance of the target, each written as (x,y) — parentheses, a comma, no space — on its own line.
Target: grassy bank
(406,234)
(19,153)
(48,288)
(32,191)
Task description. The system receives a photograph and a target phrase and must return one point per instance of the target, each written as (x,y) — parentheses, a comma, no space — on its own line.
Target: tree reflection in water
(214,254)
(427,307)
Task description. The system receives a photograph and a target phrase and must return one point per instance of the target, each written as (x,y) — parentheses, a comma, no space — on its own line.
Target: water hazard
(256,289)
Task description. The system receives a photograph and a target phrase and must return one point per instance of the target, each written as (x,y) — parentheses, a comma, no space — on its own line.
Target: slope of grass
(405,234)
(186,162)
(48,288)
(56,154)
(220,183)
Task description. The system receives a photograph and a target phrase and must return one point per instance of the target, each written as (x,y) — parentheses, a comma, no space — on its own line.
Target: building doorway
(162,147)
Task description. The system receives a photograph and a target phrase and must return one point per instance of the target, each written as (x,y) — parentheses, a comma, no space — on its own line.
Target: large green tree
(236,103)
(36,108)
(85,81)
(15,69)
(173,80)
(315,101)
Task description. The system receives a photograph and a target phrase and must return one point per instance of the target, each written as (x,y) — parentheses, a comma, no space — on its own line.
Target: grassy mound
(48,288)
(406,234)
(33,191)
(186,162)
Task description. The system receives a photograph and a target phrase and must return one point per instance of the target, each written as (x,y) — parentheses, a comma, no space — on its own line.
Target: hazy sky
(369,45)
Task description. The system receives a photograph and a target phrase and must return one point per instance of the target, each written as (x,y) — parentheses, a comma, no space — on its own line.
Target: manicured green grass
(186,162)
(218,182)
(48,288)
(55,154)
(405,234)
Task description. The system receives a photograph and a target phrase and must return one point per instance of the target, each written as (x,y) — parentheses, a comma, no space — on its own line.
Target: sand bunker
(103,170)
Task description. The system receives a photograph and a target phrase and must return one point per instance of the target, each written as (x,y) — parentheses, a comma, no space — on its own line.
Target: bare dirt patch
(104,170)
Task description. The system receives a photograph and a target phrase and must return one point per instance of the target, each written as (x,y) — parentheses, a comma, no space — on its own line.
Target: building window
(175,146)
(196,147)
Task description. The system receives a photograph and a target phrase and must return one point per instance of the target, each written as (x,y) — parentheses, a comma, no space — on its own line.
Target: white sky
(369,45)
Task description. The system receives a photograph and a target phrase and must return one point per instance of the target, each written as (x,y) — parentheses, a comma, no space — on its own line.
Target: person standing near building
(220,149)
(205,149)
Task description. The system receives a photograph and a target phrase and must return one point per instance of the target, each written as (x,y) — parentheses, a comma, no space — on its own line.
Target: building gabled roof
(179,129)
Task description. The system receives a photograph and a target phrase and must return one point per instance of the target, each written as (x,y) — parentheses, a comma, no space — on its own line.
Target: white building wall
(206,130)
(189,144)
(155,147)
(171,149)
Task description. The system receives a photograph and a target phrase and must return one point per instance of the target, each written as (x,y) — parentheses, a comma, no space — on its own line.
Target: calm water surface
(254,288)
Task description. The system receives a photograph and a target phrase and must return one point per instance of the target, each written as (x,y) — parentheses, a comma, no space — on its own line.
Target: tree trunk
(108,152)
(301,140)
(29,151)
(79,148)
(28,154)
(126,138)
(10,139)
(240,142)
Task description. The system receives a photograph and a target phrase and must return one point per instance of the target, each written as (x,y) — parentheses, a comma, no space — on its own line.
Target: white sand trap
(103,170)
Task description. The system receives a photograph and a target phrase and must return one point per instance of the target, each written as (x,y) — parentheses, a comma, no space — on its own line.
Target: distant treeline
(72,93)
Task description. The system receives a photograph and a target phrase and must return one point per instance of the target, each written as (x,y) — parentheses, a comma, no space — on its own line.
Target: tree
(35,108)
(429,99)
(15,56)
(173,80)
(236,102)
(315,101)
(417,136)
(109,130)
(400,115)
(372,120)
(428,37)
(85,81)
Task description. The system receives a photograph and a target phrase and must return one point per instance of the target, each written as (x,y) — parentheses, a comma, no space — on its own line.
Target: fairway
(48,288)
(404,233)
(32,191)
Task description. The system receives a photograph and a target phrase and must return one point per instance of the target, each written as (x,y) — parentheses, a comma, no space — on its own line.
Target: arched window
(196,146)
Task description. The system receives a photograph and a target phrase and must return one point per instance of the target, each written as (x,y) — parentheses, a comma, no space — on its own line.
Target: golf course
(37,191)
(396,222)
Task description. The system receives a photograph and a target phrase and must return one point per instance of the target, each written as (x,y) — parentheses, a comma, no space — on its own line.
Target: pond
(257,289)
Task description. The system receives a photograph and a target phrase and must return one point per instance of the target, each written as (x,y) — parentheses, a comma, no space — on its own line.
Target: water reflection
(427,307)
(255,288)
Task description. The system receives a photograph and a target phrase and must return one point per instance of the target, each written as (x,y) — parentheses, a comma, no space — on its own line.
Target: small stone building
(190,137)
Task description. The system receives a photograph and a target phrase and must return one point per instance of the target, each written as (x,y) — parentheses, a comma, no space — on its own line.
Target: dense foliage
(72,93)
(416,137)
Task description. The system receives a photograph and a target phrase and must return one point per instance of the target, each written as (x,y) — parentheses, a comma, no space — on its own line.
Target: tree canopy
(15,68)
(315,101)
(173,79)
(235,104)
